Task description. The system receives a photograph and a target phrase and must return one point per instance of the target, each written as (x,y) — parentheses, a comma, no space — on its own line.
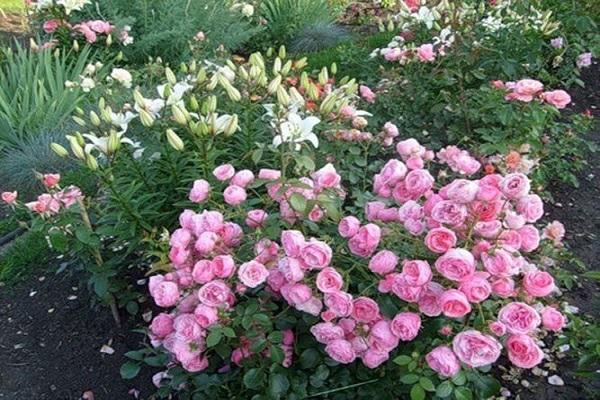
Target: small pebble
(556,380)
(525,383)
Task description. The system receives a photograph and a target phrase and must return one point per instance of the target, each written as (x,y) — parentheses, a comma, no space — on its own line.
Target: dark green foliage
(27,254)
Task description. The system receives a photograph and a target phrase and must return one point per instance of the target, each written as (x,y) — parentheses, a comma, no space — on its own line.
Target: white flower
(153,106)
(248,10)
(87,84)
(41,4)
(122,120)
(101,143)
(297,130)
(73,5)
(426,17)
(178,91)
(122,76)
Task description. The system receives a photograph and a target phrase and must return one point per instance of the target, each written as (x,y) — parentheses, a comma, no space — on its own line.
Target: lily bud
(114,143)
(257,60)
(91,162)
(79,111)
(304,82)
(201,77)
(286,67)
(174,140)
(120,56)
(75,46)
(79,121)
(255,72)
(313,92)
(390,26)
(233,93)
(283,97)
(328,104)
(232,126)
(193,66)
(59,150)
(272,88)
(296,97)
(333,68)
(243,73)
(109,40)
(94,119)
(101,103)
(323,76)
(178,115)
(139,99)
(282,52)
(276,66)
(270,52)
(194,106)
(231,65)
(80,138)
(301,63)
(76,148)
(171,78)
(146,118)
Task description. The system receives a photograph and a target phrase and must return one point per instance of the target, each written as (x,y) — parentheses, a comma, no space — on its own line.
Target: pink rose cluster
(91,29)
(50,203)
(527,90)
(425,53)
(480,232)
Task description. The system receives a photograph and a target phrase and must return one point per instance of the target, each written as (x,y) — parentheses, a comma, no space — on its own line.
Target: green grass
(12,5)
(28,253)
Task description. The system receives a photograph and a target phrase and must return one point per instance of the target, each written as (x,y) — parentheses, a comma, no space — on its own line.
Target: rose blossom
(365,241)
(530,238)
(497,328)
(51,180)
(552,319)
(216,294)
(242,178)
(329,280)
(340,303)
(383,262)
(531,207)
(476,349)
(341,351)
(429,299)
(477,288)
(519,317)
(523,351)
(449,212)
(365,309)
(373,359)
(554,231)
(162,325)
(292,242)
(9,197)
(256,218)
(456,264)
(367,94)
(381,338)
(200,191)
(584,60)
(440,240)
(326,177)
(348,226)
(316,254)
(205,315)
(165,294)
(252,274)
(454,303)
(223,266)
(515,186)
(538,283)
(503,287)
(234,195)
(443,361)
(296,294)
(558,98)
(416,272)
(406,325)
(500,263)
(325,332)
(425,52)
(224,172)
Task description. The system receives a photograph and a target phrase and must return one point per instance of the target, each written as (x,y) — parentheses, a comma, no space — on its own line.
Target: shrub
(318,36)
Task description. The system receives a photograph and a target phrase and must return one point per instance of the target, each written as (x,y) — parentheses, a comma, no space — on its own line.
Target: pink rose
(383,262)
(231,233)
(206,315)
(243,178)
(99,26)
(348,226)
(429,299)
(9,197)
(292,242)
(406,325)
(530,238)
(341,351)
(476,349)
(418,182)
(296,294)
(488,229)
(373,209)
(256,218)
(316,254)
(291,268)
(187,328)
(477,289)
(514,186)
(538,283)
(558,98)
(440,240)
(366,240)
(503,287)
(51,25)
(373,359)
(51,180)
(325,332)
(425,52)
(252,273)
(462,191)
(500,263)
(454,303)
(449,212)
(554,231)
(443,361)
(526,89)
(519,317)
(162,325)
(340,303)
(165,294)
(401,288)
(203,272)
(329,280)
(313,306)
(206,242)
(498,328)
(416,272)
(531,207)
(223,266)
(381,338)
(552,319)
(326,177)
(269,174)
(195,364)
(456,264)
(224,172)
(216,294)
(367,94)
(234,195)
(200,191)
(523,351)
(365,309)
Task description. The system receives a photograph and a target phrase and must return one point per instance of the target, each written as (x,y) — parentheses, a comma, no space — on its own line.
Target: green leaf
(132,307)
(129,370)
(444,389)
(298,202)
(137,355)
(213,338)
(427,384)
(309,358)
(402,360)
(459,379)
(275,337)
(278,385)
(227,331)
(253,378)
(417,393)
(463,393)
(277,354)
(258,346)
(409,379)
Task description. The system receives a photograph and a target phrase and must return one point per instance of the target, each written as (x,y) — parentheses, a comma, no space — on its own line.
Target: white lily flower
(178,91)
(101,143)
(73,5)
(297,130)
(426,17)
(122,120)
(153,106)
